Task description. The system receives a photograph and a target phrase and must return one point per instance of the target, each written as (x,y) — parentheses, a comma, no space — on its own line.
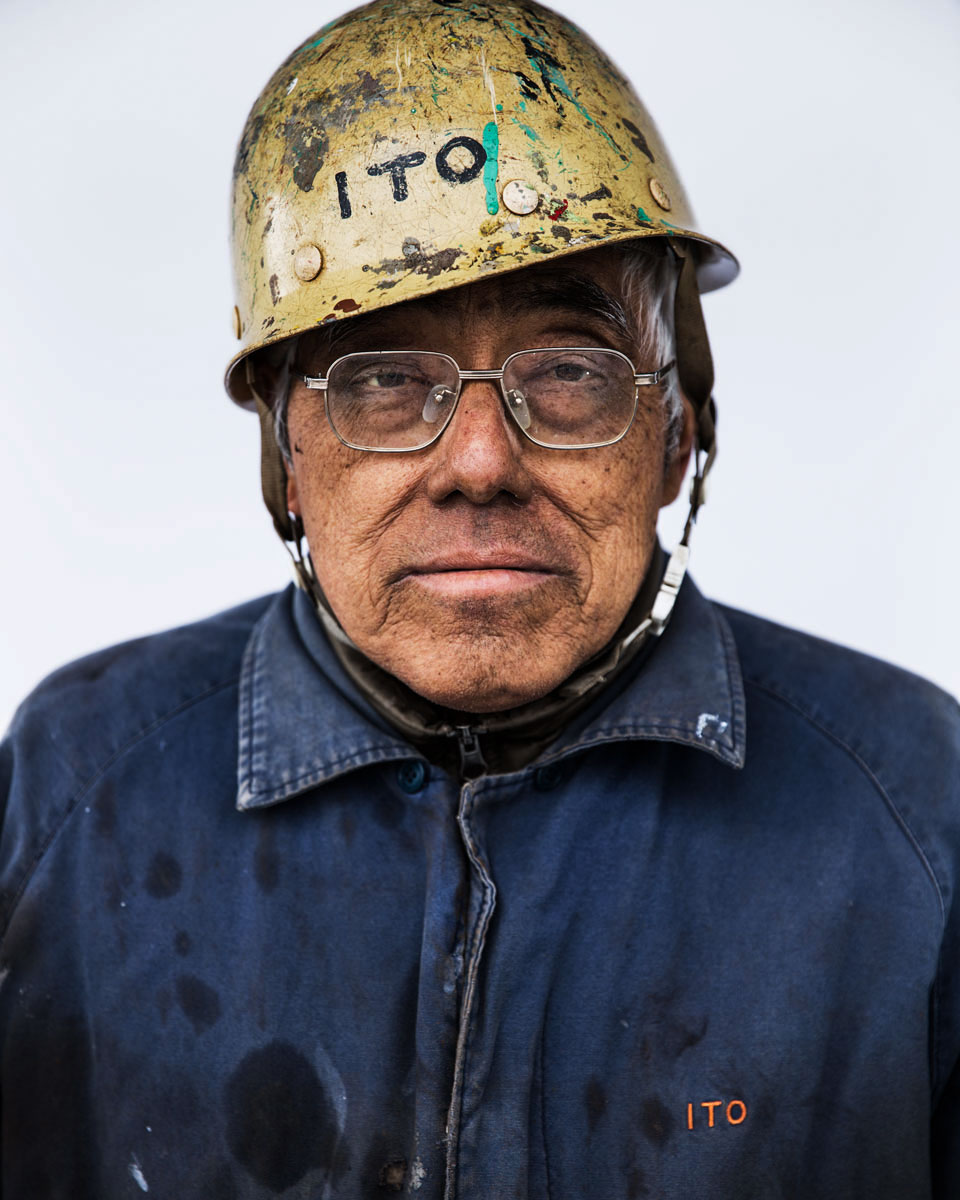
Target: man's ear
(676,467)
(270,371)
(293,499)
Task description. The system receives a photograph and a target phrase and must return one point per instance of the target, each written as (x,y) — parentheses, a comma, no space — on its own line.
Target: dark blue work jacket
(254,946)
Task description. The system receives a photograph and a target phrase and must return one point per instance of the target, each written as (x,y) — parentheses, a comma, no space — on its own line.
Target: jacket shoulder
(128,686)
(845,689)
(80,718)
(902,730)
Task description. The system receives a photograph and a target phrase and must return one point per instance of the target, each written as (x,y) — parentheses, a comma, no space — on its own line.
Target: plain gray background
(817,140)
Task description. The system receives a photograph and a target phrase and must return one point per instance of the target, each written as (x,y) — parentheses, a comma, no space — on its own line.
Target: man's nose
(482,452)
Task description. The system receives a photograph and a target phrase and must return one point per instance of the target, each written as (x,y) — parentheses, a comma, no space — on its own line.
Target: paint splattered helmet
(415,145)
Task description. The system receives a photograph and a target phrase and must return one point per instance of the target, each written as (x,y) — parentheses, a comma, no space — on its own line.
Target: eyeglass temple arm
(654,377)
(317,382)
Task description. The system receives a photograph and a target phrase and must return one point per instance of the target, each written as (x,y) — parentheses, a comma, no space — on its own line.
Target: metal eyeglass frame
(640,379)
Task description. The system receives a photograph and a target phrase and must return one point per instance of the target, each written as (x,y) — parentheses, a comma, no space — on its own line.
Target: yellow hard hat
(418,145)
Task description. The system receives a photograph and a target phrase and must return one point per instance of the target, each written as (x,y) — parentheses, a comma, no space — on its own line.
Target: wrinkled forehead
(585,292)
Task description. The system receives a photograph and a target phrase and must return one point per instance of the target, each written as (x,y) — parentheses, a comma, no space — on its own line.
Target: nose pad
(437,404)
(518,407)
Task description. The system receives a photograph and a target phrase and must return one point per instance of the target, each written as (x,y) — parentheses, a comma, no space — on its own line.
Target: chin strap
(273,472)
(658,618)
(289,527)
(695,371)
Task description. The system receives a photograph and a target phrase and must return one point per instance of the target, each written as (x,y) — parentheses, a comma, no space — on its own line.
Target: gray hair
(648,280)
(648,285)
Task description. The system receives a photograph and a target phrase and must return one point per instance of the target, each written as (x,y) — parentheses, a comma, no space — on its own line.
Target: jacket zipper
(472,762)
(480,905)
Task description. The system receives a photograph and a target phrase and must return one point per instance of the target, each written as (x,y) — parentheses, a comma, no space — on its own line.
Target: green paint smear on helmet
(553,78)
(526,129)
(491,144)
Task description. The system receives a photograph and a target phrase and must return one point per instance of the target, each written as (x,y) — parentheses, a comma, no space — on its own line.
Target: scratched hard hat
(413,146)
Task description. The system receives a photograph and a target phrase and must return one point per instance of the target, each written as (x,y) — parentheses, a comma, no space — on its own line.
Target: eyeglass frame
(640,379)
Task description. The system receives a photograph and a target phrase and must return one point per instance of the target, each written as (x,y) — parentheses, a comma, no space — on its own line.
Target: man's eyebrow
(565,290)
(571,293)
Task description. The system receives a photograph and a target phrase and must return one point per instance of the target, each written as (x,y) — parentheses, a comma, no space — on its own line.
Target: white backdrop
(818,139)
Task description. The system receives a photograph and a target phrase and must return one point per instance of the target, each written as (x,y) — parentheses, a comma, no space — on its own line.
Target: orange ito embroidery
(733,1113)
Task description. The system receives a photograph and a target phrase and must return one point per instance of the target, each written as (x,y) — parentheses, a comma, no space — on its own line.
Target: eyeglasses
(564,397)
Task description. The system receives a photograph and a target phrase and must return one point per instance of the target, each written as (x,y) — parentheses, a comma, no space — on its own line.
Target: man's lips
(475,574)
(500,560)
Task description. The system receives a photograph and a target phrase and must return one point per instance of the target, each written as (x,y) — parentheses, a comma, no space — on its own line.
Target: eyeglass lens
(558,397)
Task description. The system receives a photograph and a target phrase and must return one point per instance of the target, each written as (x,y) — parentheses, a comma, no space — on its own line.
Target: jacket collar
(303,722)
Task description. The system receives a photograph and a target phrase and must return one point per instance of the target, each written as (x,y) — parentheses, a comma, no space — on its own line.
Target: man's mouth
(471,574)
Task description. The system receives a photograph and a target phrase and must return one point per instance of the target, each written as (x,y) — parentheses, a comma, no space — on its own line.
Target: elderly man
(449,872)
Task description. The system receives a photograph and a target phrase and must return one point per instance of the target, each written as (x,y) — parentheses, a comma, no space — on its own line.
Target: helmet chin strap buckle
(669,590)
(659,616)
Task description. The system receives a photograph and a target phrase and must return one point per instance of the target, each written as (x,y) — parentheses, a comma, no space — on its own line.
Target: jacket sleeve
(945,1062)
(37,785)
(945,1042)
(945,1135)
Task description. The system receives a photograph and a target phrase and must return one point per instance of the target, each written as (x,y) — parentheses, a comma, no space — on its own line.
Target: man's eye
(384,379)
(569,372)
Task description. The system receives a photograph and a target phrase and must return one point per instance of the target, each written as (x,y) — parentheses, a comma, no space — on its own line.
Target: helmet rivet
(307,262)
(520,197)
(660,194)
(237,323)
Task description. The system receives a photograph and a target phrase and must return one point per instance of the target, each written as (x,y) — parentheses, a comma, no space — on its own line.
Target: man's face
(483,570)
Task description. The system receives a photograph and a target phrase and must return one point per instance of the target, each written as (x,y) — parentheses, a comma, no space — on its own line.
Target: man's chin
(481,649)
(480,693)
(481,674)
